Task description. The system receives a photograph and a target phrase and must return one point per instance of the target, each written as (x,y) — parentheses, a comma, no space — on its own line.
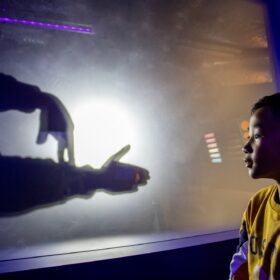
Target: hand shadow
(27,184)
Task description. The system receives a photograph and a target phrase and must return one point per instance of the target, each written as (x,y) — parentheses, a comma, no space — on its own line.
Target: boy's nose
(247,148)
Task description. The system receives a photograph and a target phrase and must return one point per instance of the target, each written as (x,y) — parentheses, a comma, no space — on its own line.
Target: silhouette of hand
(56,121)
(121,176)
(54,118)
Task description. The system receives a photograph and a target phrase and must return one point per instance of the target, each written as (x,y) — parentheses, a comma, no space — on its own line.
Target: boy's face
(262,150)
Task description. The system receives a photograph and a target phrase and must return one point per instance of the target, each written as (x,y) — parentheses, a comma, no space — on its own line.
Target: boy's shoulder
(264,192)
(263,195)
(258,203)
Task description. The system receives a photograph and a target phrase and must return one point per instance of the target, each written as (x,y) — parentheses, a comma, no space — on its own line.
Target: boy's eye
(257,136)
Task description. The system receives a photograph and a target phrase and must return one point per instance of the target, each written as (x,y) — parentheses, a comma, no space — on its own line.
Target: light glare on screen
(102,127)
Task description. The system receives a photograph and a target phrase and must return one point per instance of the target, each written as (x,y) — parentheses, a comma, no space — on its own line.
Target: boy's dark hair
(271,101)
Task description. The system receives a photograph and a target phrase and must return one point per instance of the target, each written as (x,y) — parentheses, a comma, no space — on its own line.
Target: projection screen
(173,79)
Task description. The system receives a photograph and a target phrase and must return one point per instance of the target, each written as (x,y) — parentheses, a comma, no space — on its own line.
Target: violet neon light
(48,25)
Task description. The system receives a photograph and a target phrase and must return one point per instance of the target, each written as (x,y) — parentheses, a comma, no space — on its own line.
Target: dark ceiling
(212,34)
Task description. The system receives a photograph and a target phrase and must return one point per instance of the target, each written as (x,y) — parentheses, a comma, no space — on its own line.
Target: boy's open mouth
(248,162)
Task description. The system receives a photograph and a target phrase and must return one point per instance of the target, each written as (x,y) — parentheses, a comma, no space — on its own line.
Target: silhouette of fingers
(142,176)
(117,156)
(124,177)
(43,127)
(70,148)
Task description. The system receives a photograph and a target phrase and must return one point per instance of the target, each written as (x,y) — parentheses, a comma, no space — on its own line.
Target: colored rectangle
(210,140)
(213,145)
(216,150)
(209,135)
(216,160)
(217,155)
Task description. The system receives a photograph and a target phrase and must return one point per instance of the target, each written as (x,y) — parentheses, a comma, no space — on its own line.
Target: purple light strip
(48,25)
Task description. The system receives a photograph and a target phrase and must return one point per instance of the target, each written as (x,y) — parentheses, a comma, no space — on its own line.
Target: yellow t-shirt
(258,255)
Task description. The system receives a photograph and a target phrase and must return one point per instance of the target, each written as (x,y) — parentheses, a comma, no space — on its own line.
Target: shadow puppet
(28,183)
(54,118)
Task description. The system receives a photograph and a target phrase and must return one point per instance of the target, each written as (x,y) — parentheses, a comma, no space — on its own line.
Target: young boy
(258,253)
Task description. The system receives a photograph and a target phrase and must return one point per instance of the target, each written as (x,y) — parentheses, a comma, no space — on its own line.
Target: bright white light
(102,127)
